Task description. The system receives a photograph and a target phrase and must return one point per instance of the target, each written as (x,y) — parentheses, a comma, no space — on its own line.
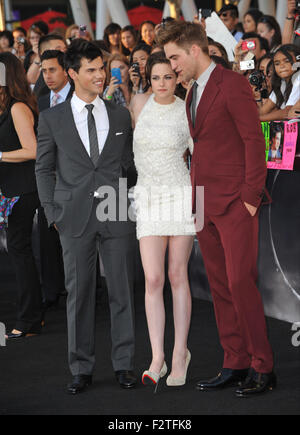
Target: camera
(247,65)
(204,13)
(82,30)
(248,45)
(136,68)
(258,79)
(21,40)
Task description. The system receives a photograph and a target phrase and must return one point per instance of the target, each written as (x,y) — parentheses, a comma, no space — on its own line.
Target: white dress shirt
(202,82)
(80,114)
(62,94)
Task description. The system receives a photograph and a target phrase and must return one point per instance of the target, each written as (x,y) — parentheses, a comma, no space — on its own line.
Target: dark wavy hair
(16,85)
(272,24)
(111,29)
(291,52)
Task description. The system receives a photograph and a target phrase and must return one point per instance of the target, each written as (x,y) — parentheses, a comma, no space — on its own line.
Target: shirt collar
(63,93)
(79,104)
(204,77)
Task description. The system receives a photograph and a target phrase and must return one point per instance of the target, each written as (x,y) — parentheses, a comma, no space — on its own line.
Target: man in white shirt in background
(56,79)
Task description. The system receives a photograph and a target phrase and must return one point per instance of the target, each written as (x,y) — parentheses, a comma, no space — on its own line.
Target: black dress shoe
(257,383)
(226,378)
(126,379)
(13,336)
(79,384)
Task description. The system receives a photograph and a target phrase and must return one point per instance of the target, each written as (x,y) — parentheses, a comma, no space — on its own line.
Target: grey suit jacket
(67,178)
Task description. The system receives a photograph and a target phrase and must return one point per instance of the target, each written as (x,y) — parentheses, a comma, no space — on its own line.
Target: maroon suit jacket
(229,151)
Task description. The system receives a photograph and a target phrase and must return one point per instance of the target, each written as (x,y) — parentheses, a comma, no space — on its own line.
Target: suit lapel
(208,97)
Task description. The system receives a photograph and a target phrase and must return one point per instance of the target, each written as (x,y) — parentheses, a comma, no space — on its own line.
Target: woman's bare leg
(180,248)
(153,251)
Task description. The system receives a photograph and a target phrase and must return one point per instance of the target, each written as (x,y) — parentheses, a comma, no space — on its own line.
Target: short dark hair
(232,8)
(8,35)
(42,26)
(54,54)
(80,49)
(51,37)
(20,29)
(264,44)
(184,34)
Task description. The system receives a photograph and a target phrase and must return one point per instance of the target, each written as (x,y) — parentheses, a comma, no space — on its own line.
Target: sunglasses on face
(224,14)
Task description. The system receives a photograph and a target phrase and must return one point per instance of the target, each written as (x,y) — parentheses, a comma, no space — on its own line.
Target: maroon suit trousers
(229,245)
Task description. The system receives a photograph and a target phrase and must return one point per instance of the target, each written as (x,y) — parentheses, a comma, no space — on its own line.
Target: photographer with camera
(137,71)
(249,51)
(118,90)
(285,84)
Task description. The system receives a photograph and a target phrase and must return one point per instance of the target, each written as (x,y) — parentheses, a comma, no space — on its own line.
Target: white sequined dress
(163,194)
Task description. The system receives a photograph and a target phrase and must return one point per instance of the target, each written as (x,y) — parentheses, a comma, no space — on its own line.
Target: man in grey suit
(84,149)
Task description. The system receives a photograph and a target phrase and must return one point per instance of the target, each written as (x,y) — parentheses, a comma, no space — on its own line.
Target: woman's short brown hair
(183,34)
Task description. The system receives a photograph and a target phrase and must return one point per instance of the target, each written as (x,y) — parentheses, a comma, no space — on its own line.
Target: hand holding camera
(135,75)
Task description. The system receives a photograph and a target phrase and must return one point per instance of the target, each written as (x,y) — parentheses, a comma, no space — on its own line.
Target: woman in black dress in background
(18,119)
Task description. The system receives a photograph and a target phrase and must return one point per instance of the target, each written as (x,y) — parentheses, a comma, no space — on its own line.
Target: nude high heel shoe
(178,382)
(152,378)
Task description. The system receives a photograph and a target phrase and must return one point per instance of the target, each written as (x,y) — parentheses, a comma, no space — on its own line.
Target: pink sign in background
(286,155)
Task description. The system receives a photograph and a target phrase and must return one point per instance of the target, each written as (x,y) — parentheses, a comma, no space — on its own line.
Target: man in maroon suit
(229,161)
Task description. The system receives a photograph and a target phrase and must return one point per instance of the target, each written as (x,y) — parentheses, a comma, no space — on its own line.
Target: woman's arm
(23,120)
(276,115)
(265,109)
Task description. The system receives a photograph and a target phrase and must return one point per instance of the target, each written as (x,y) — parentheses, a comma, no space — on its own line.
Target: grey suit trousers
(80,257)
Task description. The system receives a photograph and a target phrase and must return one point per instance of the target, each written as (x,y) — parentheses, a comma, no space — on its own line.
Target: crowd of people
(131,70)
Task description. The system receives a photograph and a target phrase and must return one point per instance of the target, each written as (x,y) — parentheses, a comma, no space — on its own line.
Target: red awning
(52,18)
(143,13)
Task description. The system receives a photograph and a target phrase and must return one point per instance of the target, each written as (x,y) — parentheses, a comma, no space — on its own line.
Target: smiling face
(147,33)
(163,82)
(89,80)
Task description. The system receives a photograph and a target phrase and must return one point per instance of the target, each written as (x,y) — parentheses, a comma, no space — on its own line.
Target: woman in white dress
(163,202)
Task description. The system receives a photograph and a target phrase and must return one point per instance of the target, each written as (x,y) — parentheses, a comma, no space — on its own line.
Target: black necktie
(194,103)
(94,146)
